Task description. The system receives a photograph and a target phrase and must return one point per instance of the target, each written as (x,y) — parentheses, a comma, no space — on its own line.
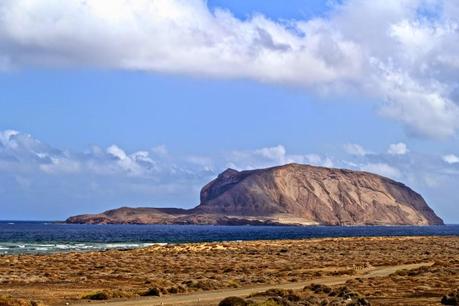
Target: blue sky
(89,122)
(136,109)
(296,9)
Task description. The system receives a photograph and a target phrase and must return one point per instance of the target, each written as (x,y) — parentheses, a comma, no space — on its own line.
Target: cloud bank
(403,54)
(43,181)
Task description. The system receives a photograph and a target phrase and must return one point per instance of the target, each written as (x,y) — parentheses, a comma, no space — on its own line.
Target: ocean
(21,237)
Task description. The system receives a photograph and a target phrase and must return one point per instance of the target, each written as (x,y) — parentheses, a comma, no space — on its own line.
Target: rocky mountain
(289,194)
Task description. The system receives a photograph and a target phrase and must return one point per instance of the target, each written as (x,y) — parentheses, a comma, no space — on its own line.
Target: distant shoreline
(256,225)
(22,237)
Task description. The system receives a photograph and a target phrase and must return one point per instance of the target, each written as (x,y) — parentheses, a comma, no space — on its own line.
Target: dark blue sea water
(43,237)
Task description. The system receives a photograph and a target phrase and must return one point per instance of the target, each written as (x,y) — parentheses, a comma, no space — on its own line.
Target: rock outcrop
(290,194)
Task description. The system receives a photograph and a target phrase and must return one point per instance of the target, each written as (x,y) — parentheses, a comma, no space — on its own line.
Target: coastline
(64,222)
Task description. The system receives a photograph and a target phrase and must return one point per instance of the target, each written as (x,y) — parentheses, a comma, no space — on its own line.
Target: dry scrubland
(171,269)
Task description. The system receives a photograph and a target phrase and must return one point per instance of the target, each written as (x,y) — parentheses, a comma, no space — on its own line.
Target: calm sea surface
(43,237)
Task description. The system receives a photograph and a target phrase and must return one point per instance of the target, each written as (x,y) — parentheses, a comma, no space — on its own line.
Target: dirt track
(213,297)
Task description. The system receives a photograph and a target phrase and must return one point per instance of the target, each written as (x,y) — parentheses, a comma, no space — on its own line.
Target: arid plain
(185,269)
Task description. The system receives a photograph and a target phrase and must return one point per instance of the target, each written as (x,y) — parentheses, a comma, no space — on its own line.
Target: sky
(140,103)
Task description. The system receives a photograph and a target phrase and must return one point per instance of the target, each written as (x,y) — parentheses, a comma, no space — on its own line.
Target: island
(292,194)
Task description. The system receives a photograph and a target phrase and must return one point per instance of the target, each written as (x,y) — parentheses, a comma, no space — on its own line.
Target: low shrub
(152,292)
(97,296)
(233,301)
(318,288)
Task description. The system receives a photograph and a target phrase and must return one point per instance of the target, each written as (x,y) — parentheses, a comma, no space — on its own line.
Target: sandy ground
(198,268)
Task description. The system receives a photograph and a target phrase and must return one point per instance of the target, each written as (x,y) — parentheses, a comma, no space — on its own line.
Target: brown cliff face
(316,195)
(290,194)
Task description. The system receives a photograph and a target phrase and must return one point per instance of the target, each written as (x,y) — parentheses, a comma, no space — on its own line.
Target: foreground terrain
(370,267)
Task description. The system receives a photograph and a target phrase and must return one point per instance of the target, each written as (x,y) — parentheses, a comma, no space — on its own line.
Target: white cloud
(355,149)
(61,165)
(384,49)
(171,36)
(126,162)
(451,159)
(424,108)
(6,137)
(273,156)
(273,153)
(382,169)
(398,149)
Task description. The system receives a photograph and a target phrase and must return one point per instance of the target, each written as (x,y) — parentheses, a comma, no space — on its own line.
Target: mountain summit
(290,194)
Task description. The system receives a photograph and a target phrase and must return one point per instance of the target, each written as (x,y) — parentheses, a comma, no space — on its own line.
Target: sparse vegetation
(233,301)
(10,301)
(311,295)
(107,294)
(188,268)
